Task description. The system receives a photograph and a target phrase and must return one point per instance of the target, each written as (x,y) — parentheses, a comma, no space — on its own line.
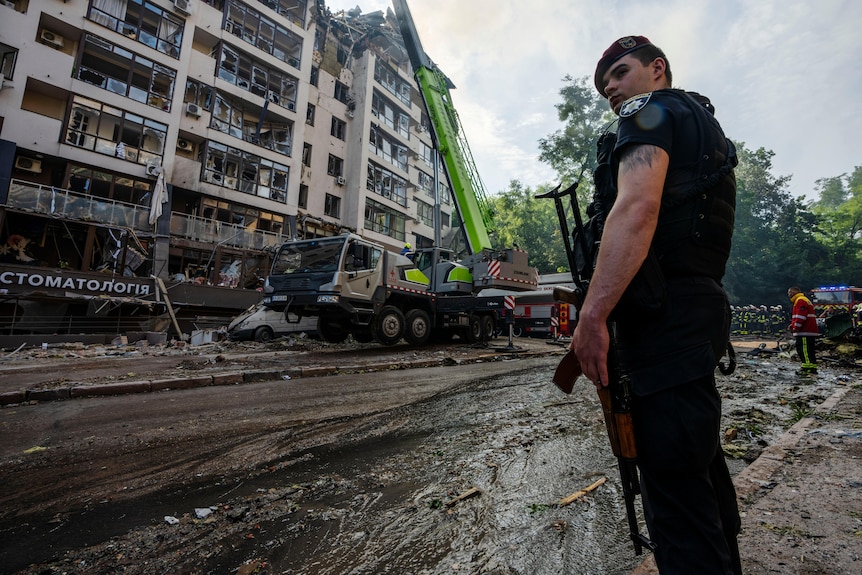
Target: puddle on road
(379,505)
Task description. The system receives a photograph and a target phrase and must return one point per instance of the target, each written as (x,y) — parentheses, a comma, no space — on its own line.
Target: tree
(531,224)
(773,242)
(778,240)
(571,151)
(831,191)
(839,212)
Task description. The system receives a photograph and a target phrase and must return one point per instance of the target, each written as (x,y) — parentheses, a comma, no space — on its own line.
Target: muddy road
(455,469)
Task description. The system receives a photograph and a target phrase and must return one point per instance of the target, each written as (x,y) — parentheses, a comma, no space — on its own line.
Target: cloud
(783,74)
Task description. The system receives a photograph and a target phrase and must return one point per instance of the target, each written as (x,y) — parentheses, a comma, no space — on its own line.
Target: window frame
(124,72)
(168,38)
(332,206)
(101,128)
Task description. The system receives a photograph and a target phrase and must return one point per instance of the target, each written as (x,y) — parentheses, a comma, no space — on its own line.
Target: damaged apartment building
(153,153)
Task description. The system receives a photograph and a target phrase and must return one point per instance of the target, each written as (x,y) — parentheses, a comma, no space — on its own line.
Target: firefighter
(803,326)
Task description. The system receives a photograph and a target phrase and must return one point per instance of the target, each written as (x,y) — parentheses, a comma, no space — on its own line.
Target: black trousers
(688,495)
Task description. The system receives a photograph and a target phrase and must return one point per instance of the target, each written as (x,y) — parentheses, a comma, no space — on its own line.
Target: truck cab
(838,309)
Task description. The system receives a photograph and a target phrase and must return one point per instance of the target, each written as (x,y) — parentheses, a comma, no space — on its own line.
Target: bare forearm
(626,239)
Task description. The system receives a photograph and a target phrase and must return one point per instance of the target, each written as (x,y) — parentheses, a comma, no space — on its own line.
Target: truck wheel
(517,331)
(418,328)
(389,327)
(331,329)
(263,334)
(489,328)
(474,329)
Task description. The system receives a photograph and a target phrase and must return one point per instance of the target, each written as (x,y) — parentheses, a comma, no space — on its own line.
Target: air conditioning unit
(183,6)
(340,180)
(153,170)
(51,39)
(193,109)
(291,106)
(184,145)
(28,164)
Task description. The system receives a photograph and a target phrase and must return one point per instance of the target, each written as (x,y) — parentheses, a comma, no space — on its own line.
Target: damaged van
(263,324)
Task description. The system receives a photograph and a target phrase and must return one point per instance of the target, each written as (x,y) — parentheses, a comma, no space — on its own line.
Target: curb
(84,390)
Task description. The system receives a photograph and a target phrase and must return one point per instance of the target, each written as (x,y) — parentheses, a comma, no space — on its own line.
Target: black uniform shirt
(680,343)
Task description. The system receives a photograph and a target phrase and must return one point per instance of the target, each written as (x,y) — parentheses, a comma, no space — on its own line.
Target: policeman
(666,179)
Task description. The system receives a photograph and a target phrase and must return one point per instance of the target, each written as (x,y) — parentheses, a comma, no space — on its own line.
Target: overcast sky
(784,75)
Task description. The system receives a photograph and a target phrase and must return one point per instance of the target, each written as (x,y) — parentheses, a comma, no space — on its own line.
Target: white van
(263,324)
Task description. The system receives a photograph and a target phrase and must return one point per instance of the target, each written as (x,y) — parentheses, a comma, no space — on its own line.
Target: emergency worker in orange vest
(803,326)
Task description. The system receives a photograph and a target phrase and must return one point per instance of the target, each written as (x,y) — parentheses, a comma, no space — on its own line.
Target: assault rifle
(616,396)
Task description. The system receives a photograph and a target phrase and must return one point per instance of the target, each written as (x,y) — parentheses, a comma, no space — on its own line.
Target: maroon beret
(618,49)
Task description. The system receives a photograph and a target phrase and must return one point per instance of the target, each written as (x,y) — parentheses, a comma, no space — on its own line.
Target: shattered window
(258,78)
(387,184)
(384,220)
(392,81)
(231,168)
(390,115)
(229,117)
(141,21)
(339,128)
(115,69)
(332,206)
(256,29)
(335,166)
(425,213)
(101,128)
(383,146)
(342,92)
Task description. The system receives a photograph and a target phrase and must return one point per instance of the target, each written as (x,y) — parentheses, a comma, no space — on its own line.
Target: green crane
(448,135)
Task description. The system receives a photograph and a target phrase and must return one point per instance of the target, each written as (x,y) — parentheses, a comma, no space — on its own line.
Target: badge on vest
(634,104)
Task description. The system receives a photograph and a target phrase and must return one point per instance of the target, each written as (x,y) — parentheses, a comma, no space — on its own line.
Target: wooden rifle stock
(618,418)
(617,415)
(621,432)
(615,398)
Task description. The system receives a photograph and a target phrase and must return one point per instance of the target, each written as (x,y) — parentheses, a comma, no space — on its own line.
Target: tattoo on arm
(636,157)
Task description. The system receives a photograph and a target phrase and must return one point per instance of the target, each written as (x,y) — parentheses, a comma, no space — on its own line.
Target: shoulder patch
(634,104)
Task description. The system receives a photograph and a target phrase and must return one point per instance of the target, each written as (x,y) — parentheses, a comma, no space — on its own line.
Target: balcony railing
(221,233)
(71,205)
(76,206)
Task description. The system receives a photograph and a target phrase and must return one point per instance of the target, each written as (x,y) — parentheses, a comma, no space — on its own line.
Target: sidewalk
(801,500)
(49,376)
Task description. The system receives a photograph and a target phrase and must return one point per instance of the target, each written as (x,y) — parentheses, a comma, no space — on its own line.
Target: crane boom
(448,134)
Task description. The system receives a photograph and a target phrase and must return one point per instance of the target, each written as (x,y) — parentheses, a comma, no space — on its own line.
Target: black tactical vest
(695,222)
